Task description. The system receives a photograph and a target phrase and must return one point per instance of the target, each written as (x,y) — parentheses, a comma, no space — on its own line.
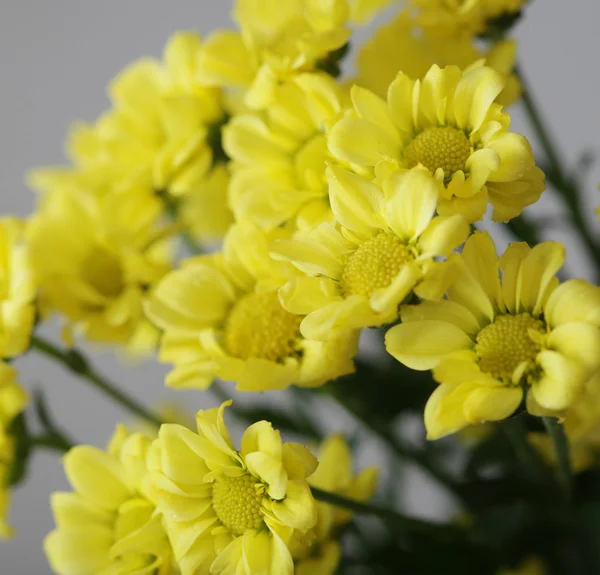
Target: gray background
(56,58)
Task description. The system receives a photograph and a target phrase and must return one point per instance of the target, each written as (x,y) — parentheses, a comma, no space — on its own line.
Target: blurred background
(56,59)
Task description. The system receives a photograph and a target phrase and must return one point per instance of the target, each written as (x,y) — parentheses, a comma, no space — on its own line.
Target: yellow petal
(443,310)
(516,157)
(98,477)
(578,341)
(270,470)
(361,142)
(510,264)
(444,234)
(298,509)
(303,295)
(228,560)
(356,203)
(76,551)
(561,383)
(421,345)
(374,109)
(224,60)
(298,461)
(386,300)
(492,403)
(262,437)
(573,300)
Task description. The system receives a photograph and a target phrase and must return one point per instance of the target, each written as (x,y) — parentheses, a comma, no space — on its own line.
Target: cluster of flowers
(340,206)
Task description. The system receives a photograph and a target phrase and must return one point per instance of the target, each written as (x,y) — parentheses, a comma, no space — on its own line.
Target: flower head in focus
(279,157)
(12,402)
(17,289)
(222,317)
(449,123)
(108,524)
(384,249)
(496,338)
(400,46)
(318,552)
(96,259)
(230,511)
(278,40)
(463,17)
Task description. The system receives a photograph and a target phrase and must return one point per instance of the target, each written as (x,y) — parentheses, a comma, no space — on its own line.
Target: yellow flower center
(374,265)
(237,502)
(503,345)
(259,327)
(102,270)
(439,147)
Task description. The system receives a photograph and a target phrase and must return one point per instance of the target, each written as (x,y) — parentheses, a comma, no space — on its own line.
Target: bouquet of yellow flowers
(260,219)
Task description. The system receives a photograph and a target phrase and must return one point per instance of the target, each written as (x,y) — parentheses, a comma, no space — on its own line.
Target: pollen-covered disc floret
(375,264)
(237,502)
(505,344)
(258,326)
(506,332)
(229,510)
(439,147)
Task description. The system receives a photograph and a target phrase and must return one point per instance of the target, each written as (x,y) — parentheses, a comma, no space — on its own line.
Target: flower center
(374,265)
(237,503)
(102,270)
(259,327)
(503,345)
(439,147)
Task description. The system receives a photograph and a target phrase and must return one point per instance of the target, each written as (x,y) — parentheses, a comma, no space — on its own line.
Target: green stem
(404,451)
(561,447)
(566,186)
(408,523)
(54,441)
(74,361)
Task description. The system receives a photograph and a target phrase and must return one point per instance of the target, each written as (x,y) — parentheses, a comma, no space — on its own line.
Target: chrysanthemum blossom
(17,289)
(449,123)
(279,157)
(108,523)
(278,40)
(12,402)
(400,45)
(156,134)
(463,17)
(96,259)
(383,249)
(318,552)
(222,317)
(507,329)
(230,511)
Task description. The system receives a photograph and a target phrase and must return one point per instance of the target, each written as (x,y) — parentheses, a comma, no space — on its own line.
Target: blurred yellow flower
(493,339)
(456,17)
(12,402)
(17,289)
(318,552)
(384,249)
(230,511)
(450,124)
(278,158)
(530,566)
(109,523)
(96,258)
(222,317)
(155,136)
(204,210)
(399,46)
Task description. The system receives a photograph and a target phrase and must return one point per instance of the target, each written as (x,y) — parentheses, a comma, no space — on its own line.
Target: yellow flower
(17,289)
(382,251)
(230,511)
(277,40)
(318,552)
(278,159)
(12,402)
(398,46)
(456,17)
(109,524)
(222,318)
(96,258)
(449,123)
(204,210)
(530,566)
(493,339)
(155,136)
